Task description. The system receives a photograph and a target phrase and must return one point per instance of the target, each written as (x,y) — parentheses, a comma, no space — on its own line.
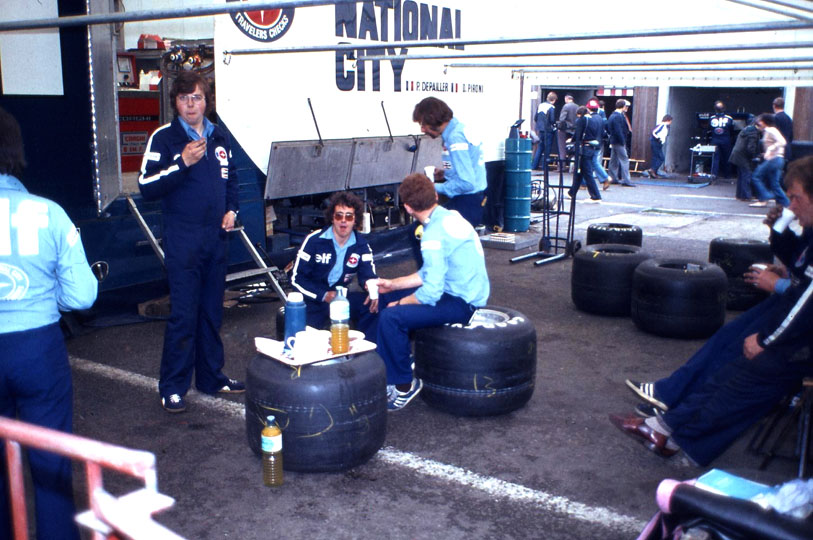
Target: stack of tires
(735,256)
(667,297)
(487,367)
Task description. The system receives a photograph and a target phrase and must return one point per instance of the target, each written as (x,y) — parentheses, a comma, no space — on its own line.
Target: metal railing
(128,516)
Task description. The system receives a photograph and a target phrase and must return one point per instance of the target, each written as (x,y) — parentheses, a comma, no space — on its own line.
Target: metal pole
(600,69)
(790,4)
(157,14)
(781,11)
(733,47)
(659,32)
(665,63)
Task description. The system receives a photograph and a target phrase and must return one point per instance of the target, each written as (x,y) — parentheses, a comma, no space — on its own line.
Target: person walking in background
(44,270)
(784,124)
(767,178)
(566,127)
(599,173)
(722,128)
(586,141)
(618,127)
(657,142)
(188,166)
(743,155)
(545,126)
(463,168)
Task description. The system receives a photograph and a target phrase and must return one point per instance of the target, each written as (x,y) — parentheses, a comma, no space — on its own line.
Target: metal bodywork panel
(298,168)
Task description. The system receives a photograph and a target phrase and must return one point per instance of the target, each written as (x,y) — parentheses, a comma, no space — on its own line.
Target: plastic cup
(429,171)
(372,288)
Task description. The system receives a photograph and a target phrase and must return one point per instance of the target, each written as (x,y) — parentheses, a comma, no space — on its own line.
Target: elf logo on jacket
(222,156)
(263,25)
(353,260)
(13,283)
(323,258)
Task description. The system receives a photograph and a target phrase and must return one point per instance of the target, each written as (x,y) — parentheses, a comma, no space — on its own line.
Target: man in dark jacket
(619,129)
(545,126)
(566,127)
(722,129)
(746,149)
(706,421)
(785,126)
(331,257)
(187,165)
(586,141)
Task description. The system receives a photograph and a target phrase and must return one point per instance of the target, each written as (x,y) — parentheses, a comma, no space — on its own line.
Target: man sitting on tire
(708,417)
(450,285)
(331,257)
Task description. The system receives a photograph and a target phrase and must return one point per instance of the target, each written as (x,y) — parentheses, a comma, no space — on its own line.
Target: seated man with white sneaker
(450,285)
(705,412)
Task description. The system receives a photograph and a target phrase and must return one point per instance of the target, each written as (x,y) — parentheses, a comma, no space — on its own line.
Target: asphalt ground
(554,469)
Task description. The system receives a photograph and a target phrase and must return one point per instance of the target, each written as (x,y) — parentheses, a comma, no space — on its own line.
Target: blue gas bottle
(294,316)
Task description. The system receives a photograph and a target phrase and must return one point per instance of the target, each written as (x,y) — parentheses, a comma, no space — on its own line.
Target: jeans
(598,170)
(469,205)
(542,149)
(657,154)
(744,183)
(770,173)
(584,162)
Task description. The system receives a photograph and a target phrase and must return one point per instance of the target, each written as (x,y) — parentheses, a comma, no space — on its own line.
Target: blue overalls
(43,269)
(193,200)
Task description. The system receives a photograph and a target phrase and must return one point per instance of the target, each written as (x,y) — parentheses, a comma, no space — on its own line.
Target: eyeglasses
(348,216)
(194,98)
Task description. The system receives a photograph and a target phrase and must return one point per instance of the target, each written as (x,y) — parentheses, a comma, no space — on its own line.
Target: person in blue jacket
(450,285)
(586,141)
(618,127)
(772,361)
(43,270)
(545,121)
(188,166)
(722,130)
(463,168)
(332,257)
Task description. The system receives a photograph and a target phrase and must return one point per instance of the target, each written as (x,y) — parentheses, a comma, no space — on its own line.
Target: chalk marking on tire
(456,475)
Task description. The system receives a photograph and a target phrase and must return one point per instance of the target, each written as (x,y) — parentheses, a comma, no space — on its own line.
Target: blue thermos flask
(294,316)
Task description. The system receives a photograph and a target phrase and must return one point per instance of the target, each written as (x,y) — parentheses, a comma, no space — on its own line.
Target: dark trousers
(395,323)
(584,173)
(724,347)
(494,209)
(196,271)
(719,163)
(317,314)
(542,154)
(709,419)
(657,154)
(744,190)
(35,387)
(470,206)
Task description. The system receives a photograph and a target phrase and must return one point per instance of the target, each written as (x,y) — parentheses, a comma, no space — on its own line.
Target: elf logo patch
(264,25)
(353,260)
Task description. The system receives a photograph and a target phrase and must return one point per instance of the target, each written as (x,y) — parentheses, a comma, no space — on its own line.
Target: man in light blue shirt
(463,169)
(43,270)
(450,285)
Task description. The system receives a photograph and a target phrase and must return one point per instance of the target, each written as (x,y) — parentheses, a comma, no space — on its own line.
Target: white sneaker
(397,400)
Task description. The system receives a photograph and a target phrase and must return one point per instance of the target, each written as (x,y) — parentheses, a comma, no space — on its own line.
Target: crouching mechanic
(188,166)
(450,285)
(43,270)
(330,258)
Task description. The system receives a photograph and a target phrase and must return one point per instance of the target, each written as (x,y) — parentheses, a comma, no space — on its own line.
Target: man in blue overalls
(464,169)
(43,270)
(188,166)
(722,128)
(450,285)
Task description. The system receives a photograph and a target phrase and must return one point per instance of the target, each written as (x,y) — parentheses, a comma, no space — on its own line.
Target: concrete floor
(555,469)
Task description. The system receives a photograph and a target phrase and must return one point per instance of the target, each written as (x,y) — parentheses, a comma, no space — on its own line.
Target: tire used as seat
(485,368)
(601,279)
(735,256)
(678,298)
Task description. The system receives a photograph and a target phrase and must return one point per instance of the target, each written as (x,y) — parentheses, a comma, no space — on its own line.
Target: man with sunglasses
(188,166)
(331,257)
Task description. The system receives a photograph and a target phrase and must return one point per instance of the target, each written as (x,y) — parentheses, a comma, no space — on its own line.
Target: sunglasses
(349,216)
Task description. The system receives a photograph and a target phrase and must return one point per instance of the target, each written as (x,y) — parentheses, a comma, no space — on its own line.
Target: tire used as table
(678,298)
(333,414)
(614,233)
(487,367)
(735,256)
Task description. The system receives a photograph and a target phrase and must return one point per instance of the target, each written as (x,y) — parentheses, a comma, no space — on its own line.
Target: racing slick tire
(484,368)
(333,414)
(735,256)
(614,233)
(601,279)
(678,298)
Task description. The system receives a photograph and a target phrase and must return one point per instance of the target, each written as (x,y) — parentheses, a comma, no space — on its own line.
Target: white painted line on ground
(449,473)
(689,196)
